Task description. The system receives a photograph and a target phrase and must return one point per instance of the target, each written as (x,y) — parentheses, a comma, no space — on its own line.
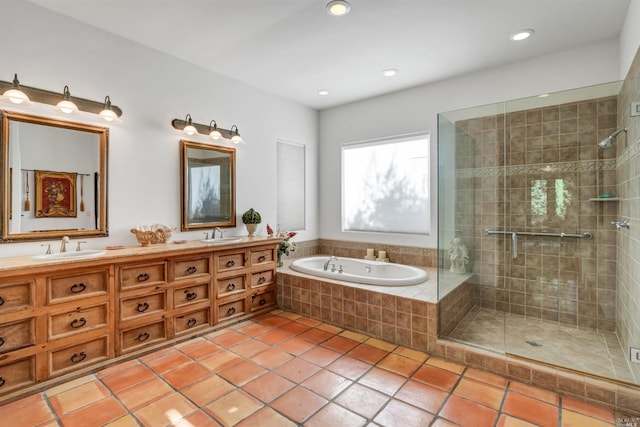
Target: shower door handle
(514,245)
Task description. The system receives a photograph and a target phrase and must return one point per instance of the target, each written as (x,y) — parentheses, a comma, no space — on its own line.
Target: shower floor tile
(595,352)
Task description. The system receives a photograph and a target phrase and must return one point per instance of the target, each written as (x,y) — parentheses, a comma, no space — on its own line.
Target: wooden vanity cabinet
(59,319)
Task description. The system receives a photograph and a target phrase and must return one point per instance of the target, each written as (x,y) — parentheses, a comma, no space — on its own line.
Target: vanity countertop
(113,253)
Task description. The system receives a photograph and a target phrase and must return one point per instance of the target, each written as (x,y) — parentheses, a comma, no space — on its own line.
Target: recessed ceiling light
(338,8)
(390,72)
(323,92)
(544,95)
(521,35)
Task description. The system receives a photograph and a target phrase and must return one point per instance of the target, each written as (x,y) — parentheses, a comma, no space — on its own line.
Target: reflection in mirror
(53,178)
(207,175)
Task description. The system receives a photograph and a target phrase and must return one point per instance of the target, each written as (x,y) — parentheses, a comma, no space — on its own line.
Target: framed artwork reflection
(55,194)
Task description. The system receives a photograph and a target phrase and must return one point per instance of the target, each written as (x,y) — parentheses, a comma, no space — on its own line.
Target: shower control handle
(621,224)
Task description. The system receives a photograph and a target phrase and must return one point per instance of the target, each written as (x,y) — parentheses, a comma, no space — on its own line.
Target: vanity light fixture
(67,106)
(215,133)
(13,92)
(338,8)
(189,127)
(107,112)
(236,138)
(521,35)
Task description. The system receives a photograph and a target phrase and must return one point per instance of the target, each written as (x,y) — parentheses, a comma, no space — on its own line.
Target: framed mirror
(53,178)
(207,186)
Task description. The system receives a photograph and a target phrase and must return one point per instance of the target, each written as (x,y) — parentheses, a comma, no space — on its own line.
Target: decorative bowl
(152,234)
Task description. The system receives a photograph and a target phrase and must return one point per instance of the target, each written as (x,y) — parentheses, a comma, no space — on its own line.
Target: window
(385,185)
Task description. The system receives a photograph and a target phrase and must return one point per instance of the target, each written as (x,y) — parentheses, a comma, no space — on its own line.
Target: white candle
(382,254)
(369,252)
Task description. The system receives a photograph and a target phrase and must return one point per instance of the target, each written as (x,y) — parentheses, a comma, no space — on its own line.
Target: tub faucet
(326,264)
(63,244)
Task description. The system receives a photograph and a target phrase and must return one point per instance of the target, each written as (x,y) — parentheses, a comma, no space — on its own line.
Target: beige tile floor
(587,350)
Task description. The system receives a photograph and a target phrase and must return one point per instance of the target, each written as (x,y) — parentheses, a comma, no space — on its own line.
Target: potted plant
(251,219)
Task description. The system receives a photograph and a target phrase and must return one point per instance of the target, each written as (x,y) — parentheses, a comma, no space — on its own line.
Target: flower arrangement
(286,246)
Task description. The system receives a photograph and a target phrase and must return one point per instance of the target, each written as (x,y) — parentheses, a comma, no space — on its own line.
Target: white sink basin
(222,240)
(89,253)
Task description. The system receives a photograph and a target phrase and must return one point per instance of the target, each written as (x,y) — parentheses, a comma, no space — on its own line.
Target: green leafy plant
(251,217)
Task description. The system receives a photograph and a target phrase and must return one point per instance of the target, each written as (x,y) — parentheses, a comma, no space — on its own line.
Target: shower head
(608,141)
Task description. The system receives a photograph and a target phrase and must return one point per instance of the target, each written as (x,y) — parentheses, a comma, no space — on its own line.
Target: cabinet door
(135,307)
(77,321)
(16,375)
(192,267)
(80,355)
(17,296)
(134,276)
(17,335)
(188,322)
(77,286)
(188,295)
(142,336)
(263,299)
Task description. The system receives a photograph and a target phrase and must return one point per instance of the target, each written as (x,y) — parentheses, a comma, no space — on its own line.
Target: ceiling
(293,48)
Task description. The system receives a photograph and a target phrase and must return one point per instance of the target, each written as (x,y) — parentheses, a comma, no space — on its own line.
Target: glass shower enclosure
(529,207)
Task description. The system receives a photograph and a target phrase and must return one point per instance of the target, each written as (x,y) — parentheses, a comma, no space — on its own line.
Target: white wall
(629,38)
(416,110)
(49,51)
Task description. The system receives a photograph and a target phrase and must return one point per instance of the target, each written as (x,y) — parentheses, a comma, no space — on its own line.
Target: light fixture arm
(51,98)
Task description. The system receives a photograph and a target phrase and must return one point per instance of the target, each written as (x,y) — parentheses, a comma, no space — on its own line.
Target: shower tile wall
(549,169)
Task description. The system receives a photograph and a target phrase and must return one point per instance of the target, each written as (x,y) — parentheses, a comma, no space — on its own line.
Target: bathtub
(360,271)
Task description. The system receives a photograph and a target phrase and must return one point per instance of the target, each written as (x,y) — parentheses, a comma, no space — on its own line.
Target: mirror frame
(6,178)
(184,186)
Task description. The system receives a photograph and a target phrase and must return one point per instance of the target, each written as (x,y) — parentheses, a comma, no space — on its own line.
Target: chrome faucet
(63,244)
(622,224)
(219,230)
(326,264)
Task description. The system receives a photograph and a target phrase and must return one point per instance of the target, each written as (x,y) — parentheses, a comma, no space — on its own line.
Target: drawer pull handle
(143,277)
(231,286)
(1,341)
(78,323)
(142,307)
(192,269)
(191,322)
(76,288)
(191,295)
(261,258)
(231,263)
(1,303)
(143,336)
(78,357)
(261,280)
(231,311)
(2,381)
(262,301)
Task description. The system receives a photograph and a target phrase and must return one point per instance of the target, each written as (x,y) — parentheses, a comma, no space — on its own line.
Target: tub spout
(326,264)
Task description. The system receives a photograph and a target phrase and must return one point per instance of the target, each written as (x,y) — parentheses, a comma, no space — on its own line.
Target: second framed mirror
(208,182)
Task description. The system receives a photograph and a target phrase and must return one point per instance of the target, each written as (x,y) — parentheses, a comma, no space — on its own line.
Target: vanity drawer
(231,309)
(79,355)
(77,321)
(261,256)
(140,275)
(142,336)
(143,305)
(262,300)
(190,294)
(16,375)
(185,268)
(16,296)
(230,261)
(82,285)
(190,321)
(262,278)
(231,285)
(17,335)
